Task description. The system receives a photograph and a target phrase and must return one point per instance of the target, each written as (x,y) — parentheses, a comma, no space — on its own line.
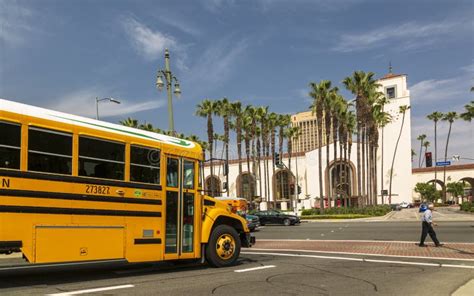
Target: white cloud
(15,22)
(410,35)
(180,24)
(150,44)
(454,90)
(214,65)
(83,102)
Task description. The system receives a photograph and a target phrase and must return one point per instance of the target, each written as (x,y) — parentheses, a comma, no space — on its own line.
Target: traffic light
(292,189)
(276,159)
(299,189)
(429,161)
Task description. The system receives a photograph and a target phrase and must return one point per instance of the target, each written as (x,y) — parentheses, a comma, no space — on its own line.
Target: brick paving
(449,250)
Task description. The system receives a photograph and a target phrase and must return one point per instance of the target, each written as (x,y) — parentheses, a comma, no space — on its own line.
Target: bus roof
(32,111)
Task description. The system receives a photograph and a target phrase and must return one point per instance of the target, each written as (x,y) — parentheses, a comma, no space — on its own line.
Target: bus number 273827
(95,189)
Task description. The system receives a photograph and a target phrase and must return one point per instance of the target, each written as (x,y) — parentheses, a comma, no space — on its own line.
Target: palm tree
(361,84)
(130,122)
(262,117)
(469,114)
(238,114)
(319,92)
(402,110)
(449,117)
(206,109)
(292,133)
(421,138)
(435,117)
(224,110)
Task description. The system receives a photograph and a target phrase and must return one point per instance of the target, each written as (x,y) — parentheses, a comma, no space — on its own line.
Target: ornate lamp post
(169,77)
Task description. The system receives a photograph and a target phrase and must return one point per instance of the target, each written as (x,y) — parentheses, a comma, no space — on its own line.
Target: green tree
(427,191)
(455,188)
(130,122)
(238,115)
(224,110)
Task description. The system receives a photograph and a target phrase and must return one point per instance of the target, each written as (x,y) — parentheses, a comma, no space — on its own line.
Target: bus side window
(101,158)
(144,165)
(10,145)
(49,151)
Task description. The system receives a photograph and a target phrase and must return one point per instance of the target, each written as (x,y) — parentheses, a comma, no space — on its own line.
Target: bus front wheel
(223,248)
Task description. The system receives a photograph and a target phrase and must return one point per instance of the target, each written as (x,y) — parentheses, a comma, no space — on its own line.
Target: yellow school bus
(74,189)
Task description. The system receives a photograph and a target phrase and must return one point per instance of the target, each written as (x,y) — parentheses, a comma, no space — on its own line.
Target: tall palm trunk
(320,158)
(445,159)
(334,140)
(394,155)
(349,174)
(327,119)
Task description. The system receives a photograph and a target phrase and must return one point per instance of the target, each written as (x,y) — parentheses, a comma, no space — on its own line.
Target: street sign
(443,163)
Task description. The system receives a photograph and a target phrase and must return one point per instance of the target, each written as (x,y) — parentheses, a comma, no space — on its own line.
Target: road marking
(352,241)
(92,290)
(361,259)
(365,254)
(254,268)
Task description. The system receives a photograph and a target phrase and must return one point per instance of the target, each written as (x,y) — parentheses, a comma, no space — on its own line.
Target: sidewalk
(464,251)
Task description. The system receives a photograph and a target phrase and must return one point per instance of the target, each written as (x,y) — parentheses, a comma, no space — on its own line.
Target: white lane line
(363,254)
(360,259)
(254,268)
(353,241)
(92,290)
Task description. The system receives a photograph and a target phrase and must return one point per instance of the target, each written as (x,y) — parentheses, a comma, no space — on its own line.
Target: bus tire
(223,248)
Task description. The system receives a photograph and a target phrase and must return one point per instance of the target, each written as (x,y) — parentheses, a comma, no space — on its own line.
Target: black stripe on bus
(74,179)
(147,241)
(80,197)
(10,244)
(76,211)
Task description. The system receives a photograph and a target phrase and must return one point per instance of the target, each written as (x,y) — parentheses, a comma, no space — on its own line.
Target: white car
(405,205)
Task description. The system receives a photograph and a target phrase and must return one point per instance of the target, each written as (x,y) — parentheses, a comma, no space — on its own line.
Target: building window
(49,151)
(10,145)
(101,158)
(144,165)
(391,92)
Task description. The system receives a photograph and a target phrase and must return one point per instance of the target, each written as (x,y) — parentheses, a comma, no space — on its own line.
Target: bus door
(181,189)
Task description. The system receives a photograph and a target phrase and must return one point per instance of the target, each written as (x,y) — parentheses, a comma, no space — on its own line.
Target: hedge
(336,216)
(467,206)
(366,211)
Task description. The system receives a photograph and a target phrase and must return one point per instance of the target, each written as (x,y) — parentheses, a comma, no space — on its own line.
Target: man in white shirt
(427,227)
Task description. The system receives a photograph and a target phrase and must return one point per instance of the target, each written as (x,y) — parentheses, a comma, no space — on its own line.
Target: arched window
(246,186)
(213,186)
(282,181)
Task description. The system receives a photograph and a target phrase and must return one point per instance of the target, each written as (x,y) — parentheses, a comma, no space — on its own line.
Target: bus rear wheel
(223,248)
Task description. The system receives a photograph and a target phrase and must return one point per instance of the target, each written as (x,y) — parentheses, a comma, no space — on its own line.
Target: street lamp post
(97,100)
(169,77)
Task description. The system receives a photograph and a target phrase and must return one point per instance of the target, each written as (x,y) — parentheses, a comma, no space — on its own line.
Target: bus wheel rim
(225,246)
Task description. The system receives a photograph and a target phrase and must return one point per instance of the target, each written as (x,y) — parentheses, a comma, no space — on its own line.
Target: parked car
(277,217)
(253,222)
(395,207)
(405,205)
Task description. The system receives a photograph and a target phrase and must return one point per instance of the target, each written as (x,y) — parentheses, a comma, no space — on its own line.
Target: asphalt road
(276,274)
(383,231)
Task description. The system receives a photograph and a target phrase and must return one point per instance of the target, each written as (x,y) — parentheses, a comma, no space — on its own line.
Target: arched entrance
(438,183)
(468,183)
(246,186)
(340,183)
(213,186)
(282,181)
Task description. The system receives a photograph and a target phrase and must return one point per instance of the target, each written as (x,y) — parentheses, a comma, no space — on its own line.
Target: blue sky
(63,54)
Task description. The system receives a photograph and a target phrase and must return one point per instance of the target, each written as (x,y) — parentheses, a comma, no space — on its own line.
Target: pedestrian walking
(427,227)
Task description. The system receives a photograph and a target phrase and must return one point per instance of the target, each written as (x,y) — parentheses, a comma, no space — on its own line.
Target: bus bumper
(247,239)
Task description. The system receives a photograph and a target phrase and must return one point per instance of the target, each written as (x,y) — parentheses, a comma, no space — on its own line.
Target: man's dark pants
(428,229)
